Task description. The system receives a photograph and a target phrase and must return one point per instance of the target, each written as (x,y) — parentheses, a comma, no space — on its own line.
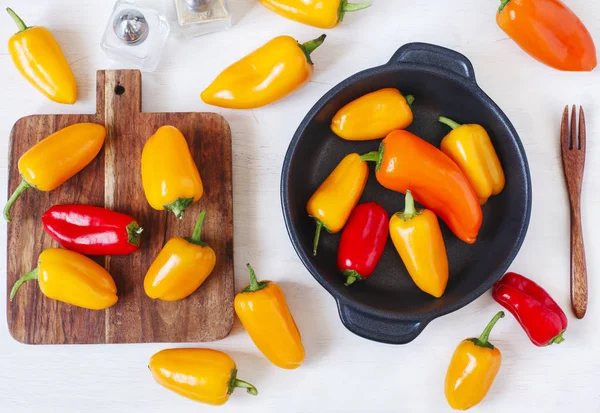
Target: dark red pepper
(539,315)
(363,241)
(92,230)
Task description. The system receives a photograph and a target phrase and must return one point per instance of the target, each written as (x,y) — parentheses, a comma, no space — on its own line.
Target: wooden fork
(573,156)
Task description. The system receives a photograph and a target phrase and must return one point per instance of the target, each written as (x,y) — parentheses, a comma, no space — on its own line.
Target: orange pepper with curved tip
(325,14)
(39,58)
(180,267)
(417,236)
(405,161)
(204,375)
(57,158)
(264,76)
(264,313)
(333,202)
(373,116)
(549,32)
(472,370)
(72,278)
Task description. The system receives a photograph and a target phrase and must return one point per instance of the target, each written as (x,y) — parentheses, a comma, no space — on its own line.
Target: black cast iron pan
(388,307)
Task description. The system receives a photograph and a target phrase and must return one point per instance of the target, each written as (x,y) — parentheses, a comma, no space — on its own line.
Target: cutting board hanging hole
(119,90)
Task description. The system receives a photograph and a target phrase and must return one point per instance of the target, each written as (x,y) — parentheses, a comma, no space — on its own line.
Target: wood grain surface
(113,181)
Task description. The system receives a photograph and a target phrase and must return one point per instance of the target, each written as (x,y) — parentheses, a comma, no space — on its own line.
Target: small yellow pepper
(325,14)
(180,267)
(265,315)
(373,116)
(471,148)
(473,368)
(40,60)
(264,76)
(169,175)
(55,159)
(72,278)
(333,202)
(417,236)
(204,375)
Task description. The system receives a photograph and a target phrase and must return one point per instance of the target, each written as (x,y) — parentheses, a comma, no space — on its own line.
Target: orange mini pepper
(417,236)
(180,267)
(325,14)
(373,116)
(72,278)
(405,161)
(264,313)
(333,202)
(57,158)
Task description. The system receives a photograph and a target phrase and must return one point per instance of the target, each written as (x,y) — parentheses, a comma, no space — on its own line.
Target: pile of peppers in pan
(466,168)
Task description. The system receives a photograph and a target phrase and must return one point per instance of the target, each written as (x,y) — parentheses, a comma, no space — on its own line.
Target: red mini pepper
(363,241)
(539,315)
(92,230)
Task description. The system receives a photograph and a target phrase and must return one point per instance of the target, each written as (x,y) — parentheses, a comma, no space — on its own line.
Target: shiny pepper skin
(180,267)
(266,75)
(57,158)
(204,375)
(325,14)
(472,371)
(264,313)
(39,58)
(169,175)
(471,148)
(72,278)
(373,116)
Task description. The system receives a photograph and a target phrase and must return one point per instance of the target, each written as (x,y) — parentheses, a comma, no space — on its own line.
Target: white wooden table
(342,372)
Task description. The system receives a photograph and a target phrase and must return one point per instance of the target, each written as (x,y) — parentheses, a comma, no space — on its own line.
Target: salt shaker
(199,17)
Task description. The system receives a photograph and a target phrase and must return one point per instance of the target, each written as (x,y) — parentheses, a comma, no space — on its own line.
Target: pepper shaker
(199,17)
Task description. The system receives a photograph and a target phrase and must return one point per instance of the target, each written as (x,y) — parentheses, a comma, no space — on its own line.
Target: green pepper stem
(317,237)
(235,382)
(178,206)
(33,275)
(346,7)
(375,156)
(483,340)
(255,285)
(410,99)
(409,207)
(449,122)
(23,186)
(558,339)
(311,46)
(20,23)
(198,228)
(503,4)
(352,276)
(133,233)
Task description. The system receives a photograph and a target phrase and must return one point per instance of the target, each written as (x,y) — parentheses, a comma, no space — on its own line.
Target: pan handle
(383,330)
(429,54)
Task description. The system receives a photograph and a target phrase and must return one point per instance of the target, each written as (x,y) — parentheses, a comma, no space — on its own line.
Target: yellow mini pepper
(333,202)
(417,236)
(471,148)
(169,175)
(180,267)
(72,278)
(55,159)
(473,368)
(265,315)
(373,116)
(204,375)
(40,60)
(264,76)
(325,14)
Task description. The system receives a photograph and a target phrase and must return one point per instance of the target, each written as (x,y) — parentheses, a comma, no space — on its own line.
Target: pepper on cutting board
(362,242)
(264,313)
(325,14)
(472,370)
(169,175)
(204,375)
(264,76)
(405,161)
(542,319)
(550,32)
(57,158)
(39,58)
(180,267)
(92,230)
(471,148)
(417,236)
(333,202)
(72,278)
(373,116)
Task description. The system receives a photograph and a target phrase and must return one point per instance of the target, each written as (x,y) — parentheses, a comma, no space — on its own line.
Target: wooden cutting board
(113,180)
